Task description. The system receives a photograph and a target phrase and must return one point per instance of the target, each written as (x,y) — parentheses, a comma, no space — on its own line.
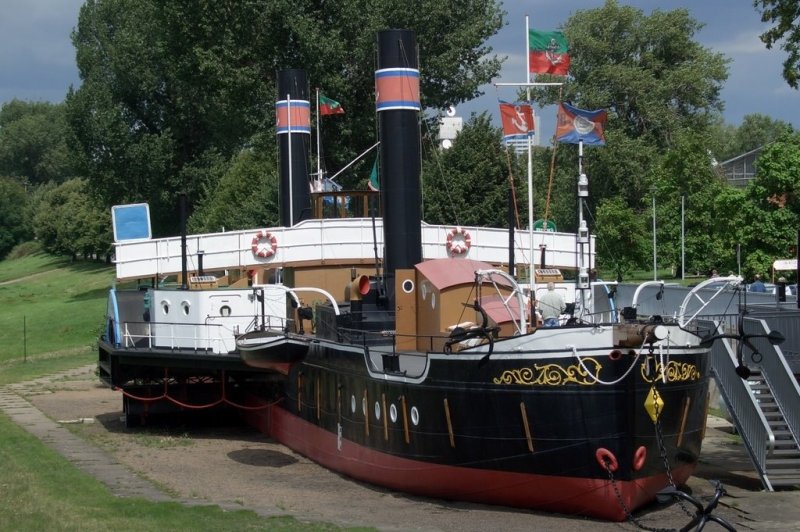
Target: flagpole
(531,276)
(583,230)
(319,166)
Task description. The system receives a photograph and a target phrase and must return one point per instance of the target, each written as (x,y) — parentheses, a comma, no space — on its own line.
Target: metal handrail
(777,374)
(743,407)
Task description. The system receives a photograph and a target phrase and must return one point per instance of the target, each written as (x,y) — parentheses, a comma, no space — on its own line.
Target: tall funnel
(398,106)
(293,112)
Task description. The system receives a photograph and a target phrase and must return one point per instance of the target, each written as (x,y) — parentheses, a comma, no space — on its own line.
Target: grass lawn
(50,306)
(51,312)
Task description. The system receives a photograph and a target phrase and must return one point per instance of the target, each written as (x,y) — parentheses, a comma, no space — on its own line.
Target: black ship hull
(542,431)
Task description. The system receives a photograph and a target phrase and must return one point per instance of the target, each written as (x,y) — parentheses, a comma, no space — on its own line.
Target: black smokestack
(398,106)
(294,133)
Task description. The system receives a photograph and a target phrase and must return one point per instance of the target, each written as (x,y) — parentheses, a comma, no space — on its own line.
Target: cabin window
(225,311)
(185,306)
(393,413)
(377,410)
(165,306)
(353,404)
(414,415)
(408,286)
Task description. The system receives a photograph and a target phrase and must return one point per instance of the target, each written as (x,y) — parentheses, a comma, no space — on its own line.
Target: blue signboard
(131,222)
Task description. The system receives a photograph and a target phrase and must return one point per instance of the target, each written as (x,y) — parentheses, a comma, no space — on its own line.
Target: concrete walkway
(120,480)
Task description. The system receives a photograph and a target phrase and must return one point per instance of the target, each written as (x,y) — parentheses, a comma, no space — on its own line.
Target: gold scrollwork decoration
(553,374)
(675,371)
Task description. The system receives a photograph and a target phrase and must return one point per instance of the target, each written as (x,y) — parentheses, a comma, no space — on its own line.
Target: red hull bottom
(569,495)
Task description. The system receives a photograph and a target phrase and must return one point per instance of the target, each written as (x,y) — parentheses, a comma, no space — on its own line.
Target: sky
(37,59)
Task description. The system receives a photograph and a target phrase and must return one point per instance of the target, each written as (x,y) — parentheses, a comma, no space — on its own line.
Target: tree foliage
(623,239)
(656,83)
(755,131)
(33,142)
(246,197)
(468,184)
(649,72)
(785,14)
(69,221)
(12,214)
(169,85)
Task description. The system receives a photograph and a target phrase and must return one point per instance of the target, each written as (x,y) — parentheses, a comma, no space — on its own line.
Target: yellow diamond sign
(654,404)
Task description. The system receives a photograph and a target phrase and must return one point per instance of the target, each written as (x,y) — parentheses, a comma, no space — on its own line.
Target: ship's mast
(528,84)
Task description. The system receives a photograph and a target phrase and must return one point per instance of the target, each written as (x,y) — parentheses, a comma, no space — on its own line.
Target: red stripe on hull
(578,496)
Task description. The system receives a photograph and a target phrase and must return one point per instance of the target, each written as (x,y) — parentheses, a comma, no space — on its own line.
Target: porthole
(377,410)
(353,404)
(185,306)
(225,311)
(414,415)
(433,300)
(408,286)
(165,306)
(393,413)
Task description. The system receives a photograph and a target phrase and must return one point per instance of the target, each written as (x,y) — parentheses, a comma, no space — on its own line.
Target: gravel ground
(236,465)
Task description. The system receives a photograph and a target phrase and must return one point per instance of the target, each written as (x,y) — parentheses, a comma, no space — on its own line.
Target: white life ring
(267,250)
(458,241)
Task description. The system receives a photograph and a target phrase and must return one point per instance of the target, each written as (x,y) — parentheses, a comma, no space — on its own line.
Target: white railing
(331,240)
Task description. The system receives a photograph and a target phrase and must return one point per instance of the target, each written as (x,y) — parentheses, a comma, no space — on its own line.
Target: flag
(517,120)
(575,125)
(329,107)
(374,183)
(548,52)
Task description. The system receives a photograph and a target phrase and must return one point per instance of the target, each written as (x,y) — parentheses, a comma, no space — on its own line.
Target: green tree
(167,86)
(33,142)
(785,14)
(247,197)
(69,221)
(623,238)
(12,214)
(756,131)
(468,183)
(687,171)
(773,210)
(652,77)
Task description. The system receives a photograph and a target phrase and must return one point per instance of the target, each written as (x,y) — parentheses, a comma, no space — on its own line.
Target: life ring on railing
(267,250)
(458,241)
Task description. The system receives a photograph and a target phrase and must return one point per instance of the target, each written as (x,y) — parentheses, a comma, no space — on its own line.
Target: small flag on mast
(575,125)
(328,106)
(517,120)
(548,52)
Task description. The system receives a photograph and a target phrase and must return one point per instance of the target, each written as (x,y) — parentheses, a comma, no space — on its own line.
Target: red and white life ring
(270,244)
(458,241)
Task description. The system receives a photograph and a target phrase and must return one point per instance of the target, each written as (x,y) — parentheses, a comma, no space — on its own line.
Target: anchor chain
(665,459)
(628,514)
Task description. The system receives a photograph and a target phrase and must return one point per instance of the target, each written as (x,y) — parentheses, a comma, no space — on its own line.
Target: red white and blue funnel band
(397,88)
(300,119)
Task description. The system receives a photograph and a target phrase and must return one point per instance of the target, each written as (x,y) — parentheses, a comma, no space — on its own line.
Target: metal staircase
(765,407)
(783,462)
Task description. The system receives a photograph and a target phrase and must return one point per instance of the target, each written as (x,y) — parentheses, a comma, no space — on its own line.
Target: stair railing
(743,408)
(777,374)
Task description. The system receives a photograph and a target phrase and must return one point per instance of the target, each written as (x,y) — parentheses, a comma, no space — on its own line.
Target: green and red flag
(328,106)
(548,52)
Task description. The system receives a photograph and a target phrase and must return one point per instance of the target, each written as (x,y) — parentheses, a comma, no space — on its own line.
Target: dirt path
(235,466)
